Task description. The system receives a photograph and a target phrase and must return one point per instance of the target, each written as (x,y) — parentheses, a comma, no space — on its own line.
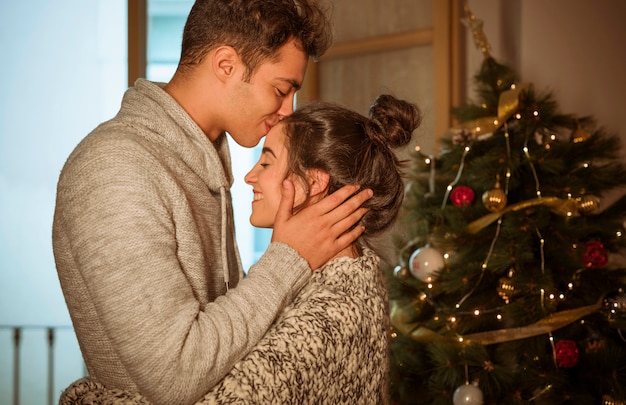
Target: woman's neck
(351,251)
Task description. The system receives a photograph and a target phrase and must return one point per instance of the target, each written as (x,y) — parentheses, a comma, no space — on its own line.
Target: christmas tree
(508,288)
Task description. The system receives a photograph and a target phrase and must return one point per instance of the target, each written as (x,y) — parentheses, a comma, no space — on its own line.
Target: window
(166,19)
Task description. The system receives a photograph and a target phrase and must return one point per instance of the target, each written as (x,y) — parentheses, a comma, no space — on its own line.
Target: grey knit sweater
(329,347)
(144,245)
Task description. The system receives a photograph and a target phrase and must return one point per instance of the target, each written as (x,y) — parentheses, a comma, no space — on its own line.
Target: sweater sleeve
(330,346)
(140,320)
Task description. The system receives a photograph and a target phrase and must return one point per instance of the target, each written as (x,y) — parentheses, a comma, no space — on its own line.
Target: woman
(331,344)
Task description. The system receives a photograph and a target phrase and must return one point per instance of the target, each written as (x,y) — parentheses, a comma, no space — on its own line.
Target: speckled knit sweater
(330,346)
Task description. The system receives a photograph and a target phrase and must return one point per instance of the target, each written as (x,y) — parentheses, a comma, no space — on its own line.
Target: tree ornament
(580,134)
(588,204)
(595,256)
(566,353)
(495,199)
(425,262)
(462,196)
(468,394)
(608,400)
(506,289)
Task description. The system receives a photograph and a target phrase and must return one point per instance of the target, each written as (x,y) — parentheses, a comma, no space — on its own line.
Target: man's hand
(322,230)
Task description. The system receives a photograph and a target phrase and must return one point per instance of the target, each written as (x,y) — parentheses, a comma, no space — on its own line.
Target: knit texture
(143,237)
(329,347)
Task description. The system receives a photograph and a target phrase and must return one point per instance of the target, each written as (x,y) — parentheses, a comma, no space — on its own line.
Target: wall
(63,70)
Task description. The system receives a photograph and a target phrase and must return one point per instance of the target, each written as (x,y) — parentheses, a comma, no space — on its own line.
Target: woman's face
(266,179)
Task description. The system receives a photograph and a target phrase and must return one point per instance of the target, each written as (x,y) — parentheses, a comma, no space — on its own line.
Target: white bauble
(425,262)
(467,394)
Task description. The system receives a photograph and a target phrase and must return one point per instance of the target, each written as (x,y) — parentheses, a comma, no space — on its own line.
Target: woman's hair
(354,149)
(256,29)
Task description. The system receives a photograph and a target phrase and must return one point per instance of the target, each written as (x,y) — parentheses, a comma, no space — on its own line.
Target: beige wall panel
(407,74)
(358,19)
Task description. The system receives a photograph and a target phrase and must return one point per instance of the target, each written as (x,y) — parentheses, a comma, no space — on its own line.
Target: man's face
(259,104)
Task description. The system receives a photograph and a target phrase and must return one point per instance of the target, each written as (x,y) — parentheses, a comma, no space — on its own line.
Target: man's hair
(256,29)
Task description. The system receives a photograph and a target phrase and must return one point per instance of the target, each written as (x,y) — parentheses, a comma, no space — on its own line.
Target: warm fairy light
(499,317)
(446,256)
(538,193)
(518,116)
(467,149)
(586,165)
(525,149)
(484,266)
(449,188)
(496,122)
(618,234)
(427,161)
(513,86)
(476,312)
(394,335)
(547,146)
(551,296)
(561,296)
(418,148)
(553,137)
(551,338)
(430,286)
(452,319)
(423,296)
(460,339)
(536,113)
(436,318)
(570,286)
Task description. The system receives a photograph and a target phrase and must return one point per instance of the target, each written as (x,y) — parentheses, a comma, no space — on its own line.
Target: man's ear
(224,62)
(318,182)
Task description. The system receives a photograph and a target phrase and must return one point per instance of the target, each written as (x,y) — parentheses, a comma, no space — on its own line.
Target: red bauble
(595,256)
(462,196)
(566,353)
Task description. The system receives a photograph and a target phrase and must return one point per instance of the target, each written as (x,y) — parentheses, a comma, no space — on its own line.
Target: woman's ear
(318,182)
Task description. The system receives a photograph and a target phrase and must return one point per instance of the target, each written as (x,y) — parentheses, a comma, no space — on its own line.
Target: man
(143,230)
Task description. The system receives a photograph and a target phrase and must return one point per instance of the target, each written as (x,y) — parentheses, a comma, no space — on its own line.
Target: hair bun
(396,119)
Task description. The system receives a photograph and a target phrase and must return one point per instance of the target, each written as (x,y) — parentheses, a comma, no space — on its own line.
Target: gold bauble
(580,134)
(494,200)
(608,400)
(588,204)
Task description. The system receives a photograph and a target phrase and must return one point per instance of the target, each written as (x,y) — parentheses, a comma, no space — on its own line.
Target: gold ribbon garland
(560,206)
(546,325)
(507,105)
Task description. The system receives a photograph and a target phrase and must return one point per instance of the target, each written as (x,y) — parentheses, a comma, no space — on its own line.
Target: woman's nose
(249,177)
